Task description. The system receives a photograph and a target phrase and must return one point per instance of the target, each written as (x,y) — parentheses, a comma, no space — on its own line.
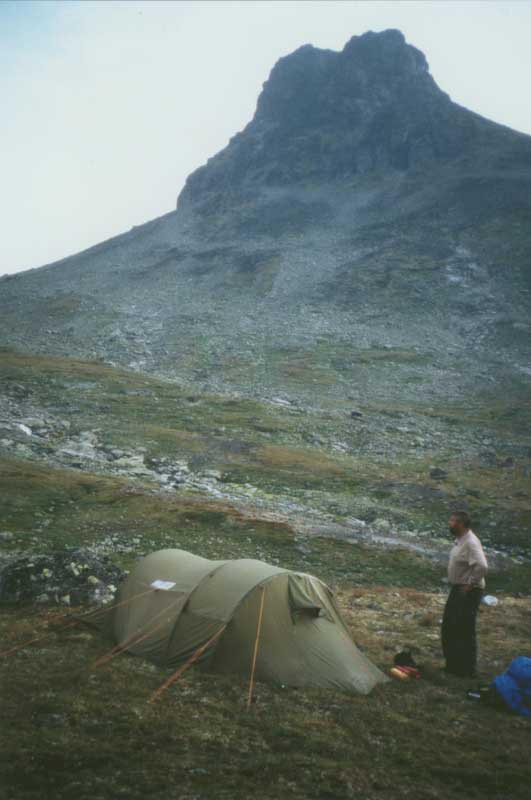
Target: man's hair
(463,517)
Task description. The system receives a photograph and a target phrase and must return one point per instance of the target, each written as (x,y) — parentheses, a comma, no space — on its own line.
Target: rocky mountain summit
(363,238)
(325,117)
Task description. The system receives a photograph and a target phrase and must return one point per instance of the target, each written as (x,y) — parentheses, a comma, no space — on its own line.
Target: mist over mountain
(362,237)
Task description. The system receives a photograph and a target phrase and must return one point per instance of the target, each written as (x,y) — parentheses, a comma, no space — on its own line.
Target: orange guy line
(177,674)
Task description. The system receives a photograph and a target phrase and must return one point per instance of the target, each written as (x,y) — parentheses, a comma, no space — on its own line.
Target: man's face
(456,527)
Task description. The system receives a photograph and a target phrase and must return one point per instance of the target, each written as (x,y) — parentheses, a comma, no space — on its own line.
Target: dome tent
(174,603)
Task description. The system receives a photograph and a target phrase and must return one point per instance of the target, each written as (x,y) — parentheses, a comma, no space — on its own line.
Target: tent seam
(194,590)
(236,607)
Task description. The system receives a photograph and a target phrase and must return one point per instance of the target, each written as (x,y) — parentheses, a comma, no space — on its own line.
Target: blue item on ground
(514,686)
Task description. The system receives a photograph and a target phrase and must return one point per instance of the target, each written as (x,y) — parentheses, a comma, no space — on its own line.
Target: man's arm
(478,566)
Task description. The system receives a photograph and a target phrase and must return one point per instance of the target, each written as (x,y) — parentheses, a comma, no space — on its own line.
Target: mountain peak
(313,87)
(386,51)
(329,117)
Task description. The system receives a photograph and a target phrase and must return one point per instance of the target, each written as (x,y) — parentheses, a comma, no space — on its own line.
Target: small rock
(34,422)
(211,473)
(357,523)
(6,536)
(24,428)
(280,401)
(356,414)
(438,474)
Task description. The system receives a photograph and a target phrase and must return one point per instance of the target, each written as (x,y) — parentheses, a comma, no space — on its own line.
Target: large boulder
(74,576)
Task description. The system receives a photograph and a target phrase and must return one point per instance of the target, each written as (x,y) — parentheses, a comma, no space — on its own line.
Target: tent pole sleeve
(177,674)
(255,652)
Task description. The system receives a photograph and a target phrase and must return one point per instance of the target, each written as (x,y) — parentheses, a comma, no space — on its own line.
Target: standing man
(466,574)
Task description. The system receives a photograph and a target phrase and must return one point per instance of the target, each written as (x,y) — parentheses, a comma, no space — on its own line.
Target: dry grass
(67,366)
(291,458)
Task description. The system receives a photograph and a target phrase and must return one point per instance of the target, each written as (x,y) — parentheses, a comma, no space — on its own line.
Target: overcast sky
(108,106)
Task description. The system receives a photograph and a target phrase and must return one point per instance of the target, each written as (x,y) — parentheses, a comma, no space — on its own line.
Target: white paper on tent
(163,585)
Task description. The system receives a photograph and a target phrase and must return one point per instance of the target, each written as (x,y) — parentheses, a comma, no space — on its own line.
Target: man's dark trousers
(459,631)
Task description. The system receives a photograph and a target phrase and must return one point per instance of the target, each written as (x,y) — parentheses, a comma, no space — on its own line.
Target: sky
(108,106)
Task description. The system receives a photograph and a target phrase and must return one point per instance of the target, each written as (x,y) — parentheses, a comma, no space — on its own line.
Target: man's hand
(466,588)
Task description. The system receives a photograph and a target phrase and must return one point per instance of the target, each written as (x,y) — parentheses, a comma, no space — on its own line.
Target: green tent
(174,603)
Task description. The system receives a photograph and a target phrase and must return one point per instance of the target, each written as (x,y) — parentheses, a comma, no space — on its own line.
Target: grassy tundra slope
(318,469)
(283,495)
(69,731)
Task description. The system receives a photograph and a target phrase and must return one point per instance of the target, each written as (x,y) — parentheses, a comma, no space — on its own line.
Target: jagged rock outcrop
(327,116)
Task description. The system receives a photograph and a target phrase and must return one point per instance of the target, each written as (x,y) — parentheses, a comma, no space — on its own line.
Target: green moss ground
(72,732)
(68,732)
